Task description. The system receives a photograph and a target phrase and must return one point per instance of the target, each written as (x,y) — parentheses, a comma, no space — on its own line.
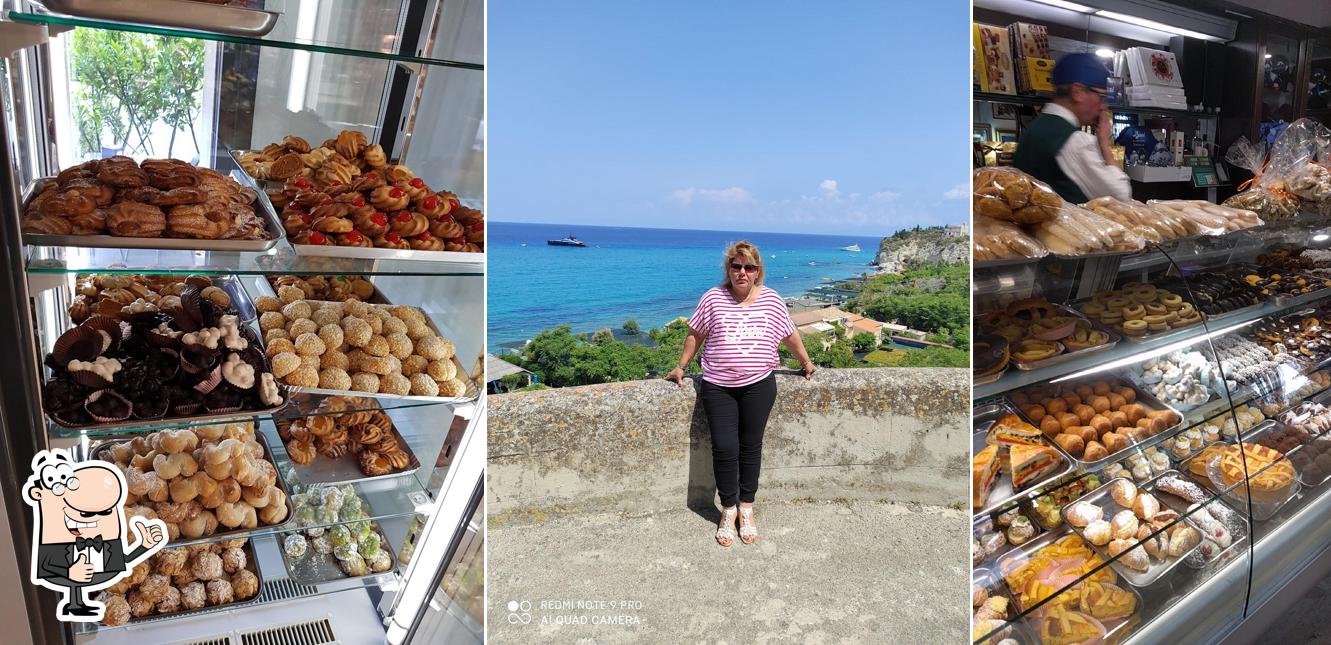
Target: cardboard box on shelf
(993,59)
(1028,40)
(1033,76)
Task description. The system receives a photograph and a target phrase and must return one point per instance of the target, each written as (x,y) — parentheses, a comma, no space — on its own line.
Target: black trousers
(737,417)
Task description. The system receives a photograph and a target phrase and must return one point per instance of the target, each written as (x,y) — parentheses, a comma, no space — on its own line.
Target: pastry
(984,471)
(1098,532)
(1082,514)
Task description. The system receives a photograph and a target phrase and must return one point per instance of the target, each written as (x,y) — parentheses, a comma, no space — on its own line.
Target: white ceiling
(1308,12)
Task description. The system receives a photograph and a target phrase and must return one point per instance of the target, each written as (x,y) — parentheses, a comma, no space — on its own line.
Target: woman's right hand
(676,376)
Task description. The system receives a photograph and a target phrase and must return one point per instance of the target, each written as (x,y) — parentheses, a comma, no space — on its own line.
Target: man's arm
(1083,160)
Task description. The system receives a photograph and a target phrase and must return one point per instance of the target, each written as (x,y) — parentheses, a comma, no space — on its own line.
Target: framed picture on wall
(1006,136)
(982,132)
(1005,111)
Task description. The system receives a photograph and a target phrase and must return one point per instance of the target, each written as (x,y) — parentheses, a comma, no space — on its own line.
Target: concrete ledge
(891,434)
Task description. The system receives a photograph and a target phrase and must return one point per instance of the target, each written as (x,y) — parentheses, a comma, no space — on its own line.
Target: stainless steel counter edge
(1279,556)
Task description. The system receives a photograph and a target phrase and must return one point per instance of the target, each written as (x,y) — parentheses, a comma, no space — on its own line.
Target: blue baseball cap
(1080,68)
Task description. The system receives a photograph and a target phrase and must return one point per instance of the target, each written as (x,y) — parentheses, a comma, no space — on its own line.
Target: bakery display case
(1186,384)
(253,279)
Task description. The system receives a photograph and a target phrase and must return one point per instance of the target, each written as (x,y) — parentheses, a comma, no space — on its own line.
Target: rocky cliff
(924,246)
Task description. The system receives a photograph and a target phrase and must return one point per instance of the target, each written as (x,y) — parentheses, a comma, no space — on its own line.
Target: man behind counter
(1077,165)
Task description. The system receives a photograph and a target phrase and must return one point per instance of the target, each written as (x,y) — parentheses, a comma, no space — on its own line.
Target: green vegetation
(933,299)
(631,327)
(863,341)
(129,82)
(562,359)
(885,358)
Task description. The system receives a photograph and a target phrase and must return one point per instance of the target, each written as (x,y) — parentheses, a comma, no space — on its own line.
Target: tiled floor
(1308,621)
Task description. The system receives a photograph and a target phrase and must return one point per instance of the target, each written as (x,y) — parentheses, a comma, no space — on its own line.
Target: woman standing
(739,325)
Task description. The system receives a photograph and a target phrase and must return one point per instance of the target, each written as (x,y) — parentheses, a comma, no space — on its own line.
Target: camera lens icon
(516,618)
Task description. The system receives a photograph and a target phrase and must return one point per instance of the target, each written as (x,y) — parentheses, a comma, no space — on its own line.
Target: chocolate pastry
(108,404)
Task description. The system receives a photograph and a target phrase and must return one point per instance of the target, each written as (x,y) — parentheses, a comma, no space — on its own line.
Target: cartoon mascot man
(79,544)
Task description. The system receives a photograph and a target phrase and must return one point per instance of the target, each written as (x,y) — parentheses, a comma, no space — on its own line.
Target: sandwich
(1030,463)
(1010,430)
(984,470)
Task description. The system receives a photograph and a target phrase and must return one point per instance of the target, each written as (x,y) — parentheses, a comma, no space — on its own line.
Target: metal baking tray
(1065,355)
(343,470)
(1297,455)
(262,207)
(1262,505)
(200,16)
(1158,568)
(1003,494)
(1233,520)
(231,284)
(1081,481)
(356,252)
(985,380)
(1149,337)
(241,300)
(1143,397)
(97,448)
(263,286)
(982,524)
(471,393)
(986,264)
(1234,313)
(994,585)
(1116,631)
(320,568)
(262,185)
(251,565)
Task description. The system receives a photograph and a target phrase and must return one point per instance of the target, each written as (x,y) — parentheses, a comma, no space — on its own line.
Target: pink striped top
(741,340)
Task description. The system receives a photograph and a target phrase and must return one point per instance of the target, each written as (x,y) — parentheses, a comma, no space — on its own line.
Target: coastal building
(954,230)
(825,320)
(497,368)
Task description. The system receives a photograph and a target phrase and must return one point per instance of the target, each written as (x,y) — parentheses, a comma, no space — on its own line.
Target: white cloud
(960,191)
(723,196)
(828,186)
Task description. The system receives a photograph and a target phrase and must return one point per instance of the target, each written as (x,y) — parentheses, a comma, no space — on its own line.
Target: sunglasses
(748,268)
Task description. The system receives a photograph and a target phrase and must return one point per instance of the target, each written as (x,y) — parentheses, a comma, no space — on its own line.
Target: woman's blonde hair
(745,251)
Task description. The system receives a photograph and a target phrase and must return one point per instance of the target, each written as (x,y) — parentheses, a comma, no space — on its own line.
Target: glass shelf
(281,260)
(381,46)
(1014,99)
(301,405)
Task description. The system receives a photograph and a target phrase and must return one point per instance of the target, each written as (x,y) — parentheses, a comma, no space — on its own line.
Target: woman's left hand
(808,368)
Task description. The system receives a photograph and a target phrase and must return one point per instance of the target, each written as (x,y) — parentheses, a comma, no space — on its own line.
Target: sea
(649,274)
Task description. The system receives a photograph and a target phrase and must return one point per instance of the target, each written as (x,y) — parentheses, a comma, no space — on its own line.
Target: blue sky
(846,117)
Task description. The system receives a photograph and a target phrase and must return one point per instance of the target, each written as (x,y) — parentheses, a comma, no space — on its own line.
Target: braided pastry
(132,219)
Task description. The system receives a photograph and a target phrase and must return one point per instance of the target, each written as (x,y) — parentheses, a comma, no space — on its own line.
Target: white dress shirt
(1081,161)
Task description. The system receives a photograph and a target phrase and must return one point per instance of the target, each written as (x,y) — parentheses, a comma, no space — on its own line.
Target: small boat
(853,248)
(524,244)
(813,264)
(567,241)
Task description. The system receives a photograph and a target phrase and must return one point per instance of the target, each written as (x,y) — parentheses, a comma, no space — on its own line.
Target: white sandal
(748,531)
(726,530)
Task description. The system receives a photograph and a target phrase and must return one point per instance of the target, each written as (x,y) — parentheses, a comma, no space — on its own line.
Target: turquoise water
(652,275)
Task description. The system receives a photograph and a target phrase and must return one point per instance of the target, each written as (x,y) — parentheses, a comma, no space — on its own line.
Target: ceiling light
(1321,237)
(1104,52)
(1268,56)
(1158,26)
(1070,6)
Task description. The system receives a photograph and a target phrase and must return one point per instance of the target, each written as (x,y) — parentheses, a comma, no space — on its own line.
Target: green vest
(1037,155)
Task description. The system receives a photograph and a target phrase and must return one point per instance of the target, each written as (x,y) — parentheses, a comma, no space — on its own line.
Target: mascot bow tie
(94,542)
